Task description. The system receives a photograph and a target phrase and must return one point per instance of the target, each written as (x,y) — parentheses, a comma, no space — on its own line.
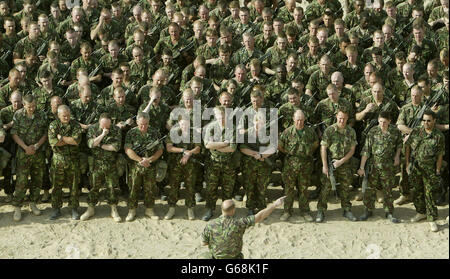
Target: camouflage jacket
(382,147)
(426,148)
(339,142)
(43,97)
(224,235)
(299,143)
(386,105)
(212,135)
(114,137)
(326,111)
(30,130)
(71,129)
(144,145)
(407,113)
(84,113)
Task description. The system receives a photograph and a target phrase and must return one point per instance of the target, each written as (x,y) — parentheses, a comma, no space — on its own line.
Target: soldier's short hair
(233,4)
(200,59)
(166,51)
(241,67)
(385,115)
(12,72)
(213,18)
(377,51)
(174,25)
(291,31)
(416,49)
(188,93)
(117,71)
(28,2)
(113,43)
(433,63)
(86,46)
(211,33)
(313,40)
(418,23)
(62,108)
(339,21)
(124,64)
(279,20)
(196,80)
(389,4)
(154,90)
(257,93)
(244,9)
(45,74)
(292,91)
(444,53)
(267,10)
(314,22)
(15,93)
(430,113)
(351,49)
(400,55)
(142,114)
(224,49)
(417,88)
(328,12)
(418,8)
(423,78)
(224,93)
(118,90)
(28,99)
(255,62)
(331,87)
(299,9)
(344,39)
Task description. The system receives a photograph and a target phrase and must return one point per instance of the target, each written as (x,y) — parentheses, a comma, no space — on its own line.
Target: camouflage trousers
(33,166)
(103,174)
(179,173)
(65,172)
(5,171)
(297,175)
(381,177)
(404,179)
(142,179)
(344,176)
(425,183)
(219,173)
(256,177)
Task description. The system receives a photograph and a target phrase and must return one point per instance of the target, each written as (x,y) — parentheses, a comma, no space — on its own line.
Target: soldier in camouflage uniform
(182,161)
(405,119)
(104,140)
(220,140)
(383,146)
(298,142)
(43,93)
(424,154)
(29,131)
(340,140)
(257,164)
(278,54)
(88,62)
(296,101)
(320,79)
(325,111)
(30,43)
(6,116)
(64,136)
(60,72)
(143,148)
(224,235)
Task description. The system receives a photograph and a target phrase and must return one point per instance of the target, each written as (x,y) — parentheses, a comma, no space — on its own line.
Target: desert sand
(100,237)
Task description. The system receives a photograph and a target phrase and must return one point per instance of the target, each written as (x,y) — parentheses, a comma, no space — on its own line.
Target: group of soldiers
(91,93)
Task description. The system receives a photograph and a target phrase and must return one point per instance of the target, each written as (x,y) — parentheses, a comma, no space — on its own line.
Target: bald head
(228,207)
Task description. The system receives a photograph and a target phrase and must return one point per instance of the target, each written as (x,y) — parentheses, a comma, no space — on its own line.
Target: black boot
(55,214)
(320,216)
(75,215)
(349,215)
(314,194)
(208,215)
(367,213)
(392,218)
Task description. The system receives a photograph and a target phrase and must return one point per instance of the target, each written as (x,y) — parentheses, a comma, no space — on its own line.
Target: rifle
(365,182)
(243,31)
(374,121)
(41,49)
(95,71)
(97,51)
(140,149)
(3,81)
(13,162)
(428,103)
(90,118)
(64,77)
(183,49)
(331,170)
(6,54)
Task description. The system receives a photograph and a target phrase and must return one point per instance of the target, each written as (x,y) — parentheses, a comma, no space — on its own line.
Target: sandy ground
(101,237)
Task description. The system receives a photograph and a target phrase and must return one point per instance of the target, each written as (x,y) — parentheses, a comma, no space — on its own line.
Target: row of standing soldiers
(389,57)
